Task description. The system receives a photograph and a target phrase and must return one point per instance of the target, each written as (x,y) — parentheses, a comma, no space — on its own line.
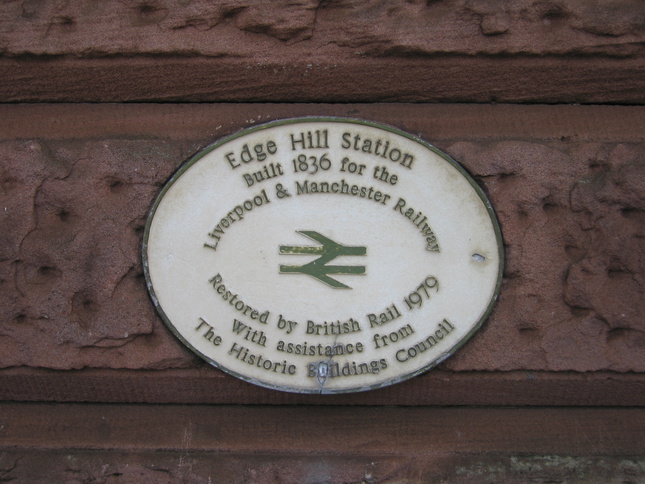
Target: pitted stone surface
(72,281)
(571,216)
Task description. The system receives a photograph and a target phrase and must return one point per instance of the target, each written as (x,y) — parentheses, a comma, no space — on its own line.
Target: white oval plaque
(322,255)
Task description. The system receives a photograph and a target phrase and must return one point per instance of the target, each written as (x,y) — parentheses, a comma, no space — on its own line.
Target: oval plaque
(322,255)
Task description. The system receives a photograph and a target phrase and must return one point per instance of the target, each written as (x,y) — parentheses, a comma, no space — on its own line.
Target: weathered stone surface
(264,31)
(311,50)
(45,443)
(169,467)
(72,281)
(572,219)
(571,215)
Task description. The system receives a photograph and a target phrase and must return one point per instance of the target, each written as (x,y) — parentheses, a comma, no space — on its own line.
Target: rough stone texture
(567,182)
(202,467)
(71,271)
(203,444)
(573,219)
(571,213)
(341,50)
(263,31)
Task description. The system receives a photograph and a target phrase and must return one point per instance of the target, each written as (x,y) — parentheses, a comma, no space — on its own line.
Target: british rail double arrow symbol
(328,251)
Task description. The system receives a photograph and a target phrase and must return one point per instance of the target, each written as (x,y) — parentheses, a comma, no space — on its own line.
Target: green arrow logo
(328,251)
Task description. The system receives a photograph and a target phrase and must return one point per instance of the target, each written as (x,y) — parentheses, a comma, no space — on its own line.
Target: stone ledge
(324,430)
(204,123)
(41,443)
(516,79)
(438,388)
(310,50)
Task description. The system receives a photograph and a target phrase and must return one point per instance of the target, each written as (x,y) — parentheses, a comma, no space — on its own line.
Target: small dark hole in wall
(65,21)
(63,215)
(146,9)
(116,185)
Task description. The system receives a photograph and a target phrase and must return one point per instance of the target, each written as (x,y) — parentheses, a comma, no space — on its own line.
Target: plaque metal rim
(321,119)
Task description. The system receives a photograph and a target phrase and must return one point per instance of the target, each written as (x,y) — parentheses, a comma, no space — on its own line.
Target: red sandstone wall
(76,199)
(567,182)
(552,51)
